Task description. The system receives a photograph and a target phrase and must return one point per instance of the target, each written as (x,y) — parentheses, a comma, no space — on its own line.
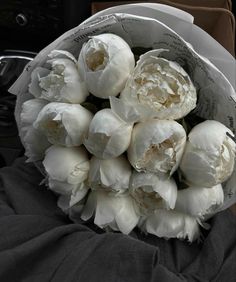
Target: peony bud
(151,191)
(157,146)
(108,135)
(209,155)
(63,164)
(105,62)
(60,83)
(64,124)
(110,175)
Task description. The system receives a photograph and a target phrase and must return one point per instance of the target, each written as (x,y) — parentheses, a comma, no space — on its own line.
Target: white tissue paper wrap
(210,68)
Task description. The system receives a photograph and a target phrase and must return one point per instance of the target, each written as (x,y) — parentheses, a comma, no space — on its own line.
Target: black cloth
(38,243)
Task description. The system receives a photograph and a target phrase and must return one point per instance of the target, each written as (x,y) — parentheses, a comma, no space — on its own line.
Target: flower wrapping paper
(215,98)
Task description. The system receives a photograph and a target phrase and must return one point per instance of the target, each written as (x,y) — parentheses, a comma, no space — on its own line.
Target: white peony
(157,146)
(108,135)
(200,201)
(34,141)
(159,88)
(64,124)
(209,154)
(59,82)
(151,191)
(172,224)
(65,165)
(117,212)
(30,111)
(109,175)
(105,62)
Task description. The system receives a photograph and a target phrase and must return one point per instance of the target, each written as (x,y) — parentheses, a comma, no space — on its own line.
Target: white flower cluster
(131,163)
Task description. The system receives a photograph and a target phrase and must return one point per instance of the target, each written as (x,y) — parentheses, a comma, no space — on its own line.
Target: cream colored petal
(109,175)
(108,136)
(35,144)
(172,224)
(64,124)
(157,146)
(200,201)
(151,191)
(34,87)
(209,155)
(159,88)
(30,111)
(118,209)
(65,164)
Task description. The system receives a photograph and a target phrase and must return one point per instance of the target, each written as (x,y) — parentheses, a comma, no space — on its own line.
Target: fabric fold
(39,243)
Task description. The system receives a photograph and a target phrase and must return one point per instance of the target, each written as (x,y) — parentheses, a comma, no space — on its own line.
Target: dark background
(33,24)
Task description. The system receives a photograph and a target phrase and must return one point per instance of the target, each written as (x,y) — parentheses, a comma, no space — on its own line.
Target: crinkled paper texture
(216,95)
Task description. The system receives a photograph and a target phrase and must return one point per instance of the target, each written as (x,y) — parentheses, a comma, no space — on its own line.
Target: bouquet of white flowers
(115,119)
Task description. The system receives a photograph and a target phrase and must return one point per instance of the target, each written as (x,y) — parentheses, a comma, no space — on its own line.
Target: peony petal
(172,224)
(200,201)
(90,206)
(153,191)
(78,193)
(112,209)
(60,83)
(34,87)
(30,111)
(110,175)
(64,164)
(35,145)
(60,187)
(125,112)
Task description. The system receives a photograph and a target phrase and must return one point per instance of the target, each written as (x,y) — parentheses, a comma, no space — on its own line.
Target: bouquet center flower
(158,88)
